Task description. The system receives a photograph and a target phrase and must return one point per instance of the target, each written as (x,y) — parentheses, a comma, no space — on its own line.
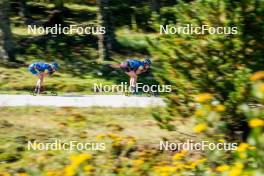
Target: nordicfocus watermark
(190,29)
(62,145)
(124,87)
(200,146)
(58,29)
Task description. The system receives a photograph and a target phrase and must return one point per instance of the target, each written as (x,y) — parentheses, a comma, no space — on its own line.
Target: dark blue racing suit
(40,67)
(131,65)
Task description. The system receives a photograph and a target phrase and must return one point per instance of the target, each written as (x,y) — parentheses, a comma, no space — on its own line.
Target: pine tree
(7,50)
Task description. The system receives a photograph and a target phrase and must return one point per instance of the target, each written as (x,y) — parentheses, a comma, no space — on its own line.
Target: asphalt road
(80,101)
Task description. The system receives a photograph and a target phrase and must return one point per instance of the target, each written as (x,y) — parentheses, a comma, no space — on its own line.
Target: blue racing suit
(132,65)
(40,67)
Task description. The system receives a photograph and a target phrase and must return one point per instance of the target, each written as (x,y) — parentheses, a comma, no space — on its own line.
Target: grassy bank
(22,81)
(66,124)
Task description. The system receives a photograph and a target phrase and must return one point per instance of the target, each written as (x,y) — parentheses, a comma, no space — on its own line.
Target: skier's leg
(39,84)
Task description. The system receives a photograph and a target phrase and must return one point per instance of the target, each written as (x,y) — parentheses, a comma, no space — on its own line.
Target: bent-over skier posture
(132,68)
(41,70)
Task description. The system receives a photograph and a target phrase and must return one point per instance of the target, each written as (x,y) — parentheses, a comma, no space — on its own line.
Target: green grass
(18,125)
(22,81)
(81,7)
(93,120)
(22,31)
(71,6)
(134,40)
(46,4)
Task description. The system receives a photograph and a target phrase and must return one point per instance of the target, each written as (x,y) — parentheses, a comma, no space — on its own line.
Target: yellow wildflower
(222,168)
(200,127)
(5,174)
(239,165)
(180,155)
(163,170)
(221,140)
(100,136)
(247,173)
(256,122)
(252,148)
(236,170)
(88,168)
(70,170)
(194,164)
(199,112)
(220,108)
(52,173)
(242,147)
(80,158)
(191,166)
(257,76)
(184,152)
(203,97)
(22,174)
(177,156)
(138,162)
(112,136)
(178,165)
(131,141)
(261,87)
(243,155)
(202,160)
(117,143)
